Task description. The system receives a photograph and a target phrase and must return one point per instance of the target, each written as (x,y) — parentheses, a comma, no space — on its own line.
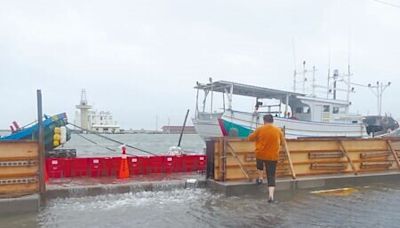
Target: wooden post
(42,167)
(210,153)
(289,158)
(223,160)
(343,150)
(396,158)
(183,128)
(238,160)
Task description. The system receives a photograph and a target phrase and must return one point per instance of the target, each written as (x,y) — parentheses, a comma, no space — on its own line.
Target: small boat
(300,115)
(31,132)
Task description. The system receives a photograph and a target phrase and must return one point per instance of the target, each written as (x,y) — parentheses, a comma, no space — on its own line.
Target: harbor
(45,165)
(200,205)
(199,114)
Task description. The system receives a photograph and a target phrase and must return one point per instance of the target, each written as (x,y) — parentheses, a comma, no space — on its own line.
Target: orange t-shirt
(268,140)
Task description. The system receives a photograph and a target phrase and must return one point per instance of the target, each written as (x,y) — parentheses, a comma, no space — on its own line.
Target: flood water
(370,206)
(375,205)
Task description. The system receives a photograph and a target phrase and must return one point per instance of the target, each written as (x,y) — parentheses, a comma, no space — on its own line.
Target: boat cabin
(290,104)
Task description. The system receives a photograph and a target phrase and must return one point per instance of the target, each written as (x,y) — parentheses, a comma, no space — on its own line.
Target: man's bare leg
(271,190)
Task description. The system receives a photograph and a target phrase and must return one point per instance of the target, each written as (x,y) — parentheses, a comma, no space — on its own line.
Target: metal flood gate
(109,166)
(19,168)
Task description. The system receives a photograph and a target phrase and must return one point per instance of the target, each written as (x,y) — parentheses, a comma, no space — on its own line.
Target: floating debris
(336,192)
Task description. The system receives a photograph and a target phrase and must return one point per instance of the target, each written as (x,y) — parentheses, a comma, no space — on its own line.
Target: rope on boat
(112,140)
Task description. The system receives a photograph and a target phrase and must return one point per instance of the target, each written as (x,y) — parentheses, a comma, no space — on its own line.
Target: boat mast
(230,97)
(335,77)
(205,99)
(304,76)
(294,81)
(197,102)
(287,106)
(348,87)
(212,96)
(313,82)
(223,100)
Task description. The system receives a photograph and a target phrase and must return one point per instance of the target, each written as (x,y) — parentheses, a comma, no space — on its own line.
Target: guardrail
(109,166)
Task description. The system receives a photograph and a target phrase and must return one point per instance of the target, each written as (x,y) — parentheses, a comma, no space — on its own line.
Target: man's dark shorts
(270,169)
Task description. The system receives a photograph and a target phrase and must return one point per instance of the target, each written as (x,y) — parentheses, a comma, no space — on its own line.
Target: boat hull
(242,124)
(209,128)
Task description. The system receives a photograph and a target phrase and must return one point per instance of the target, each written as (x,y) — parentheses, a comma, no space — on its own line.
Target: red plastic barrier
(174,164)
(95,166)
(54,167)
(155,164)
(109,166)
(67,169)
(137,165)
(79,167)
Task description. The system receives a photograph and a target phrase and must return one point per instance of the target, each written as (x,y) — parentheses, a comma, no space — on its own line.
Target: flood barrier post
(42,167)
(396,158)
(289,158)
(343,150)
(244,171)
(223,159)
(210,153)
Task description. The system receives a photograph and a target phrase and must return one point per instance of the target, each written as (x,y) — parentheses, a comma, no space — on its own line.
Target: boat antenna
(329,72)
(349,89)
(294,64)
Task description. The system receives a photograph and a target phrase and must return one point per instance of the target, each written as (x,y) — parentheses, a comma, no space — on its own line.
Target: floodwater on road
(370,206)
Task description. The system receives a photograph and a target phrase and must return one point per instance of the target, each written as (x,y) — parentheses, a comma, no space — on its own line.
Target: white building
(101,122)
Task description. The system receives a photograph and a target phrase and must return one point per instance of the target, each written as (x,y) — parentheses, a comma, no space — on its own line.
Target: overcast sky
(139,59)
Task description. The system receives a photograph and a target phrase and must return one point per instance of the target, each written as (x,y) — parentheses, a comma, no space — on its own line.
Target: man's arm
(282,137)
(253,136)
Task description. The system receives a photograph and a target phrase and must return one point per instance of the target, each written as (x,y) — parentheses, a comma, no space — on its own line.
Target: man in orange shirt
(268,140)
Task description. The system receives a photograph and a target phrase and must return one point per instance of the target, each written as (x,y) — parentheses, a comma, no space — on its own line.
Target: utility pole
(378,90)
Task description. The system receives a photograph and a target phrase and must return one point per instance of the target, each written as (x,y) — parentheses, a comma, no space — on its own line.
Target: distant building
(101,122)
(178,129)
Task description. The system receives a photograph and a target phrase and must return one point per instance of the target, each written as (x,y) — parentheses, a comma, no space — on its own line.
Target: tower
(84,109)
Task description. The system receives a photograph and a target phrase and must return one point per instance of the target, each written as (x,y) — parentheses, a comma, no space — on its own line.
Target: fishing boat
(30,132)
(298,114)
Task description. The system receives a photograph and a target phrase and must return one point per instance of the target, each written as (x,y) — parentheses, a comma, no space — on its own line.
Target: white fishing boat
(300,115)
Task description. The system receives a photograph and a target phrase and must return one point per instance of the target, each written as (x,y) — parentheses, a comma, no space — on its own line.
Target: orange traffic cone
(123,168)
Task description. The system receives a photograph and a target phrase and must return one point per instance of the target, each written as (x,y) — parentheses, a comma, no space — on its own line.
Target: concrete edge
(24,204)
(290,185)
